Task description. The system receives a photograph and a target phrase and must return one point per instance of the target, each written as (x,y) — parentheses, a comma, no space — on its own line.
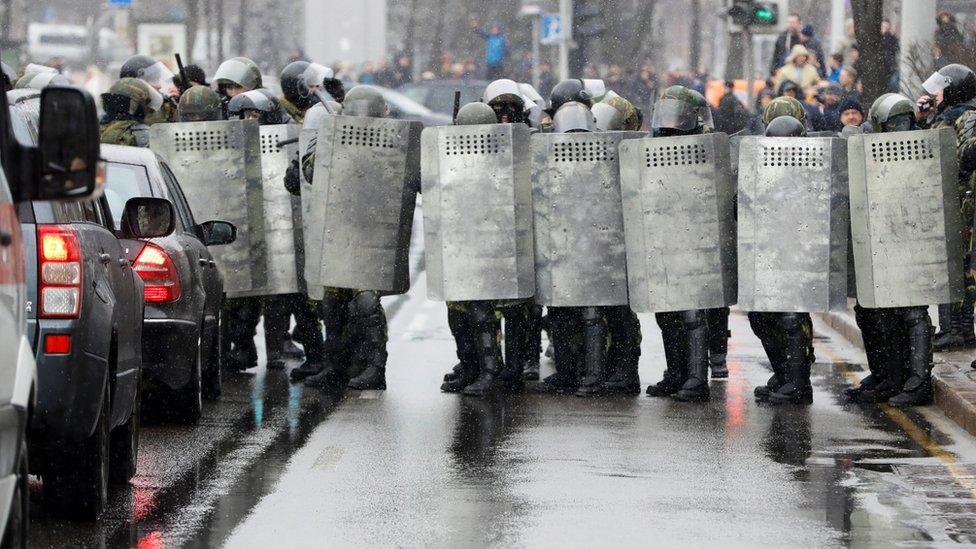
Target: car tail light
(158,274)
(60,273)
(57,344)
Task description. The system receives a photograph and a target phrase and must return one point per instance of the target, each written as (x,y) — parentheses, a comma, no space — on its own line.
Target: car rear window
(122,182)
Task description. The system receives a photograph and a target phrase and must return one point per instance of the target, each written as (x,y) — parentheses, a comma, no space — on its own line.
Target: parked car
(25,175)
(404,108)
(84,323)
(183,288)
(438,95)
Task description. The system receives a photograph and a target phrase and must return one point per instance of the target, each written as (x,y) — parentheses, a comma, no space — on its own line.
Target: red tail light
(158,273)
(60,270)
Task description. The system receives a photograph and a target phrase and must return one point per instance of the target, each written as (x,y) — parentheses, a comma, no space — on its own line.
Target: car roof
(128,155)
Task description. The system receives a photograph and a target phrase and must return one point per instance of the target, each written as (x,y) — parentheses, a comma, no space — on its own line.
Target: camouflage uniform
(167,114)
(297,114)
(126,104)
(131,133)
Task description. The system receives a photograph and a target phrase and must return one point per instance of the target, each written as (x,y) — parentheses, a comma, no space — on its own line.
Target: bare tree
(867,28)
(192,24)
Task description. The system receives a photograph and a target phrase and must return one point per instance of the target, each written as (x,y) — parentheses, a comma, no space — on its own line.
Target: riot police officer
(296,96)
(951,104)
(199,104)
(897,340)
(127,104)
(787,337)
(156,74)
(356,329)
(682,111)
(236,76)
(260,105)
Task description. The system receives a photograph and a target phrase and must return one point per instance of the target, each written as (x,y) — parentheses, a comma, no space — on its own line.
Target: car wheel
(212,380)
(189,399)
(15,534)
(124,445)
(76,477)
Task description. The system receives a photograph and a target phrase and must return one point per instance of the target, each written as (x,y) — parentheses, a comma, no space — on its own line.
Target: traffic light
(750,13)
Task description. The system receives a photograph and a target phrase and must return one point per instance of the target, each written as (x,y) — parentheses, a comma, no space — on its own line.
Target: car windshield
(122,182)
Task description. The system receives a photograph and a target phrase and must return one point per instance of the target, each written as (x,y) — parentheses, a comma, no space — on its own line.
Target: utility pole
(838,18)
(917,28)
(566,22)
(536,36)
(220,31)
(749,64)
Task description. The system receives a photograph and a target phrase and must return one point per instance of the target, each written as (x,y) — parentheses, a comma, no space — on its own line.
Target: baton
(286,142)
(457,105)
(184,83)
(324,98)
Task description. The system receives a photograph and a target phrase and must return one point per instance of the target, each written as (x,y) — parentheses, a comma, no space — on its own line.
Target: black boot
(675,356)
(466,370)
(718,341)
(567,346)
(873,324)
(772,385)
(796,340)
(624,354)
(960,335)
(917,390)
(534,349)
(489,355)
(966,327)
(695,331)
(334,311)
(367,314)
(594,353)
(518,335)
(945,320)
(893,344)
(763,325)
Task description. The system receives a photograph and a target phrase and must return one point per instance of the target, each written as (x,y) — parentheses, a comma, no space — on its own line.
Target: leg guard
(675,355)
(369,320)
(624,354)
(918,388)
(795,335)
(484,330)
(694,329)
(594,352)
(718,341)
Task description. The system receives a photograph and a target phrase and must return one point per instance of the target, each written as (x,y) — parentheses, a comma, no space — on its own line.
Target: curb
(953,381)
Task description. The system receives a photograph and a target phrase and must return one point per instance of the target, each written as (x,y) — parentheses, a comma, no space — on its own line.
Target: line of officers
(596,350)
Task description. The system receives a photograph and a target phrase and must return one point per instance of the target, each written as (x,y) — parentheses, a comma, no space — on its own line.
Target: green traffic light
(763,14)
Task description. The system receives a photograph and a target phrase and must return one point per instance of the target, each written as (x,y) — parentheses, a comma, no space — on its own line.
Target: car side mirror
(216,233)
(146,217)
(68,145)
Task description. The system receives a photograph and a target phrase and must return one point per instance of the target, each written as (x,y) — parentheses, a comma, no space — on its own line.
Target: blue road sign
(552,28)
(120,3)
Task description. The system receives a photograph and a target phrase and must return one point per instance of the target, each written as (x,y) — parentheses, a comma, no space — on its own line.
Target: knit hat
(849,103)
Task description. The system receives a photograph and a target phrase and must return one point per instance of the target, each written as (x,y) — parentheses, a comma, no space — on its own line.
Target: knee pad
(792,322)
(365,304)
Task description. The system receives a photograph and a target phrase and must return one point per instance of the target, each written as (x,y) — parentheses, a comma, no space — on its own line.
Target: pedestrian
(799,68)
(850,112)
(948,38)
(785,42)
(835,65)
(813,45)
(849,83)
(889,55)
(496,50)
(831,108)
(731,116)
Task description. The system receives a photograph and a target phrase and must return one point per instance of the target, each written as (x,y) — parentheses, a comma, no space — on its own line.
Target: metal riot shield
(367,173)
(311,225)
(905,220)
(580,256)
(477,189)
(218,166)
(282,212)
(793,224)
(679,220)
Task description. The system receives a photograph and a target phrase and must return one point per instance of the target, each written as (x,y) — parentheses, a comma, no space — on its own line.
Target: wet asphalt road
(272,465)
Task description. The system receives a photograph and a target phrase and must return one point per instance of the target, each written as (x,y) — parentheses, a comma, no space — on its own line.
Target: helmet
(573,117)
(956,82)
(785,126)
(596,88)
(505,98)
(683,110)
(784,106)
(293,85)
(238,71)
(320,76)
(45,79)
(198,104)
(30,71)
(260,101)
(476,113)
(131,96)
(569,90)
(364,100)
(531,94)
(145,68)
(892,112)
(615,113)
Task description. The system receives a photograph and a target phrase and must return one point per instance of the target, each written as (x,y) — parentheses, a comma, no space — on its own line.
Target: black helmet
(785,126)
(260,101)
(145,68)
(293,85)
(573,89)
(956,82)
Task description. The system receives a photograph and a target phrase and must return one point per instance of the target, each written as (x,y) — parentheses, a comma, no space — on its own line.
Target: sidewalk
(954,379)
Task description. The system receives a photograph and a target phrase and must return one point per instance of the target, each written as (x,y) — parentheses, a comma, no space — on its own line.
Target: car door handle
(105,258)
(6,239)
(203,262)
(213,263)
(123,262)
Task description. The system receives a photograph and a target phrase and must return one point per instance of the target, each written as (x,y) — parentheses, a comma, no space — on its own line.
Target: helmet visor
(596,88)
(680,115)
(46,79)
(608,119)
(315,75)
(234,72)
(936,83)
(573,118)
(155,99)
(883,112)
(532,94)
(157,75)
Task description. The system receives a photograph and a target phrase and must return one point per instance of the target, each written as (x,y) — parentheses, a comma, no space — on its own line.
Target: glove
(293,178)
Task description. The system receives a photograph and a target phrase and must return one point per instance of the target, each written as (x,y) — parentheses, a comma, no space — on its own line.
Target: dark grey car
(183,288)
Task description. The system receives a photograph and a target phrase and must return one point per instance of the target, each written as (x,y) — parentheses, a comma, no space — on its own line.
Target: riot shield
(679,220)
(311,225)
(905,220)
(477,189)
(580,257)
(218,166)
(282,211)
(793,224)
(362,198)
